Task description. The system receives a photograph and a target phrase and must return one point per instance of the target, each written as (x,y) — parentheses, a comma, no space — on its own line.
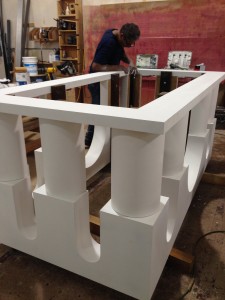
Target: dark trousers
(94,89)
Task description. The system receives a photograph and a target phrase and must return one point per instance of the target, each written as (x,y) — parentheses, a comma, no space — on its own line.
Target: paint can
(22,76)
(31,64)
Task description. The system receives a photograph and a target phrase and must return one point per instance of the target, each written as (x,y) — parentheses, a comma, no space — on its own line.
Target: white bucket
(31,64)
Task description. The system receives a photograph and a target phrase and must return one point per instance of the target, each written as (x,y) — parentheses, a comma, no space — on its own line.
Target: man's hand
(132,70)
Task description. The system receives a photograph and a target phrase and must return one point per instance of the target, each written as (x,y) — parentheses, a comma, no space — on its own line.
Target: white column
(214,97)
(137,160)
(200,116)
(175,142)
(12,148)
(64,158)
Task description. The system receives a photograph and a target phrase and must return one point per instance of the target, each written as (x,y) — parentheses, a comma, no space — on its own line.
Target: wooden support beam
(218,179)
(31,133)
(94,225)
(165,84)
(135,90)
(32,141)
(58,92)
(30,124)
(115,95)
(183,259)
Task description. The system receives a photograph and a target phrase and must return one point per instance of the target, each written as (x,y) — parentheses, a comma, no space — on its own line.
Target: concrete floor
(23,277)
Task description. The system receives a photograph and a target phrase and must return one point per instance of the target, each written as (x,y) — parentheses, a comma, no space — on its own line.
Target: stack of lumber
(31,133)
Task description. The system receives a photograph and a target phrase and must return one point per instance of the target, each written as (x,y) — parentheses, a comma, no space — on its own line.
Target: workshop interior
(140,212)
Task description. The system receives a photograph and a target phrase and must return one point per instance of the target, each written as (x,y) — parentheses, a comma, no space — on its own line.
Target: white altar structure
(158,153)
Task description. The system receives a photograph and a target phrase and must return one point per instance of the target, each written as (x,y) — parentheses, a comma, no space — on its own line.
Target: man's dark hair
(130,31)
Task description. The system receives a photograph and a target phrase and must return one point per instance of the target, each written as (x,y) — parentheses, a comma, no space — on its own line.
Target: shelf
(65,16)
(69,58)
(68,30)
(70,27)
(68,45)
(44,34)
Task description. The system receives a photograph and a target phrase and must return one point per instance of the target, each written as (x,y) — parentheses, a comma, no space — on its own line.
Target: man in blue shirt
(109,53)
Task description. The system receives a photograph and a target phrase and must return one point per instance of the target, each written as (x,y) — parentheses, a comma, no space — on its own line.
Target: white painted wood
(175,143)
(154,178)
(134,156)
(156,117)
(63,158)
(12,155)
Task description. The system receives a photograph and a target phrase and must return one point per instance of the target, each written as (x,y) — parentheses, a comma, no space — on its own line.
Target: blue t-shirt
(109,51)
